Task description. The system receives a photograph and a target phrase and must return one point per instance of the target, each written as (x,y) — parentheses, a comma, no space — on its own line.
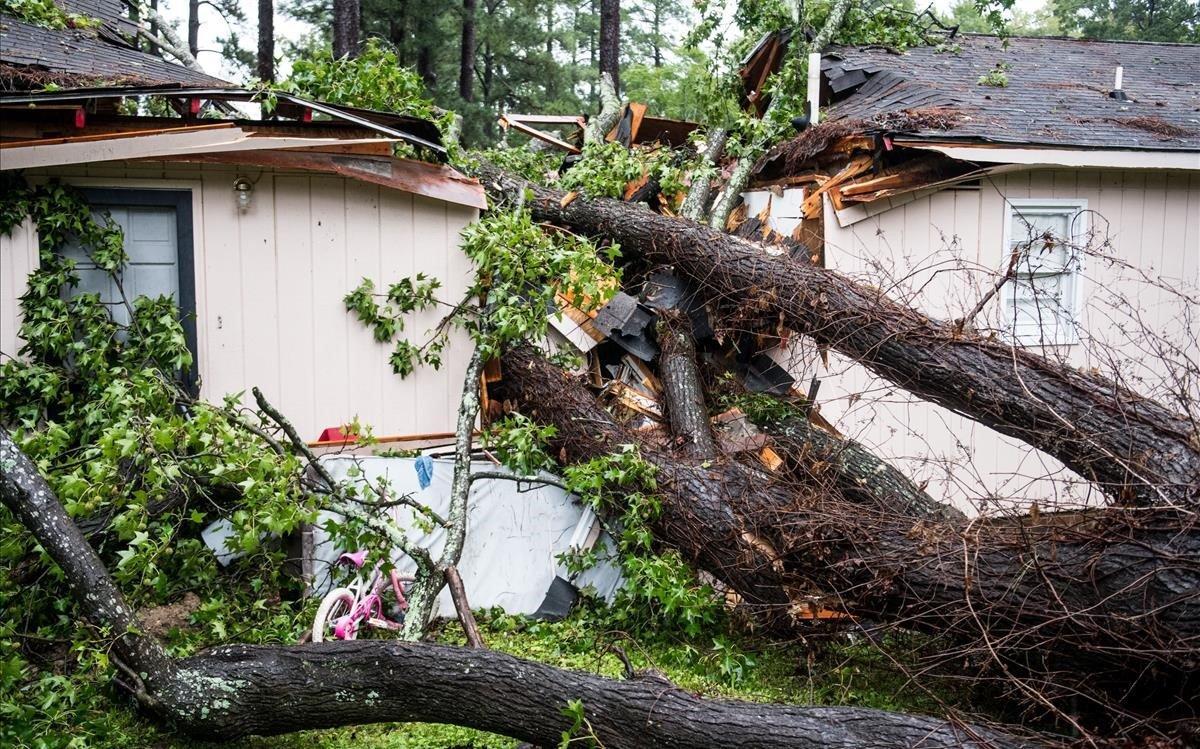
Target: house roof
(32,56)
(1057,92)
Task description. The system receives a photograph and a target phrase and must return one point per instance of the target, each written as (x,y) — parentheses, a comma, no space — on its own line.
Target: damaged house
(1044,190)
(258,224)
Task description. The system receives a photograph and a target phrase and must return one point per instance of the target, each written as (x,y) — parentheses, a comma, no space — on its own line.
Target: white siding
(269,288)
(18,254)
(942,251)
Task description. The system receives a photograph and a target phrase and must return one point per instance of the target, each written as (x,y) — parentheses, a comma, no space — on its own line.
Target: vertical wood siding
(269,289)
(942,252)
(18,255)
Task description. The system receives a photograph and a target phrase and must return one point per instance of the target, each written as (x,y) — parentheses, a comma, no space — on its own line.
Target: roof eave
(1066,156)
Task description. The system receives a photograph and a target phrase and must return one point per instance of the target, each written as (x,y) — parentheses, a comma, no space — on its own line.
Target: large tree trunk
(241,690)
(1133,447)
(345,28)
(266,40)
(466,62)
(610,40)
(1096,604)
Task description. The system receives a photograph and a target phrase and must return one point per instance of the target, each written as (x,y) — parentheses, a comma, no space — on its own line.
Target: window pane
(151,245)
(1044,241)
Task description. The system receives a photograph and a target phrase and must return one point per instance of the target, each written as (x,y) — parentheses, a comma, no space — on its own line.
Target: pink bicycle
(345,611)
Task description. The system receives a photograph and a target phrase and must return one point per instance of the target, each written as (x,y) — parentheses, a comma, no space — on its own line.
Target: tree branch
(169,42)
(683,394)
(738,180)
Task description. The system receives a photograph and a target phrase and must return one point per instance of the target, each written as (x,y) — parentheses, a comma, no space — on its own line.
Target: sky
(212,25)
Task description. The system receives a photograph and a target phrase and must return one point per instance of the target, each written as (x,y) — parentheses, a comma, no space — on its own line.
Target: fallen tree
(240,690)
(1103,606)
(1132,447)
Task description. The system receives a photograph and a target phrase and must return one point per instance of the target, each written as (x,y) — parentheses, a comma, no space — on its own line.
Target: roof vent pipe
(814,86)
(1118,93)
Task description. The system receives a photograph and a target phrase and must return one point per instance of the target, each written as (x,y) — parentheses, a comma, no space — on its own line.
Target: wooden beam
(113,136)
(547,119)
(532,132)
(87,149)
(858,165)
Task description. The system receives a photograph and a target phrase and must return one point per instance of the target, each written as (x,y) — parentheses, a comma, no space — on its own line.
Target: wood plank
(223,370)
(857,165)
(293,238)
(545,137)
(397,255)
(436,391)
(258,271)
(331,241)
(366,362)
(30,154)
(115,136)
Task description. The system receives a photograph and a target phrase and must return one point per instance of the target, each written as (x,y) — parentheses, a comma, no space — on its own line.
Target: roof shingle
(1057,92)
(74,58)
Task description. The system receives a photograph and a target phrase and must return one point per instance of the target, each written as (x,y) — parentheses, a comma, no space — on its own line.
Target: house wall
(269,288)
(942,251)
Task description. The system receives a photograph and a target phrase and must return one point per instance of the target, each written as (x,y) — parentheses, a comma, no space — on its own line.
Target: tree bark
(193,38)
(345,28)
(610,40)
(1103,605)
(610,112)
(466,63)
(167,40)
(266,40)
(696,203)
(1132,447)
(458,593)
(683,392)
(241,690)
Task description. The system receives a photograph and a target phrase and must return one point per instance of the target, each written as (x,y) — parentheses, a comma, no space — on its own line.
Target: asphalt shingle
(1057,92)
(75,58)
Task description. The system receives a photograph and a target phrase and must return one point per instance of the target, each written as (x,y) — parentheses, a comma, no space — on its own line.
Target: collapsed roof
(1056,92)
(84,117)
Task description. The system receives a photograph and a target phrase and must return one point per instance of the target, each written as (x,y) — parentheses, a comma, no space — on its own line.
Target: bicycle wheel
(336,604)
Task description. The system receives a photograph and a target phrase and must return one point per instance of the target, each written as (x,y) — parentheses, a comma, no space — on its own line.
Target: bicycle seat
(357,559)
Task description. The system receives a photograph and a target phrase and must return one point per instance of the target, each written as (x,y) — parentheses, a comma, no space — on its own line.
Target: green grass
(833,674)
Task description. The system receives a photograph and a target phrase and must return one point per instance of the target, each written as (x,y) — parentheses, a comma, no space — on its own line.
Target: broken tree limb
(740,176)
(610,112)
(239,690)
(1132,447)
(169,41)
(684,394)
(696,202)
(1101,607)
(458,593)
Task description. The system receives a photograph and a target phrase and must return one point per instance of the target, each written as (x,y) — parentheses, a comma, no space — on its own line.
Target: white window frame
(1077,211)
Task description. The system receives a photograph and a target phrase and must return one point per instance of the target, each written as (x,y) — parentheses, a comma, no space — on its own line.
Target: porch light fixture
(242,189)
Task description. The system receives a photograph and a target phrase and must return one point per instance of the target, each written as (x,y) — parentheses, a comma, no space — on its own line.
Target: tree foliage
(1141,20)
(100,407)
(46,13)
